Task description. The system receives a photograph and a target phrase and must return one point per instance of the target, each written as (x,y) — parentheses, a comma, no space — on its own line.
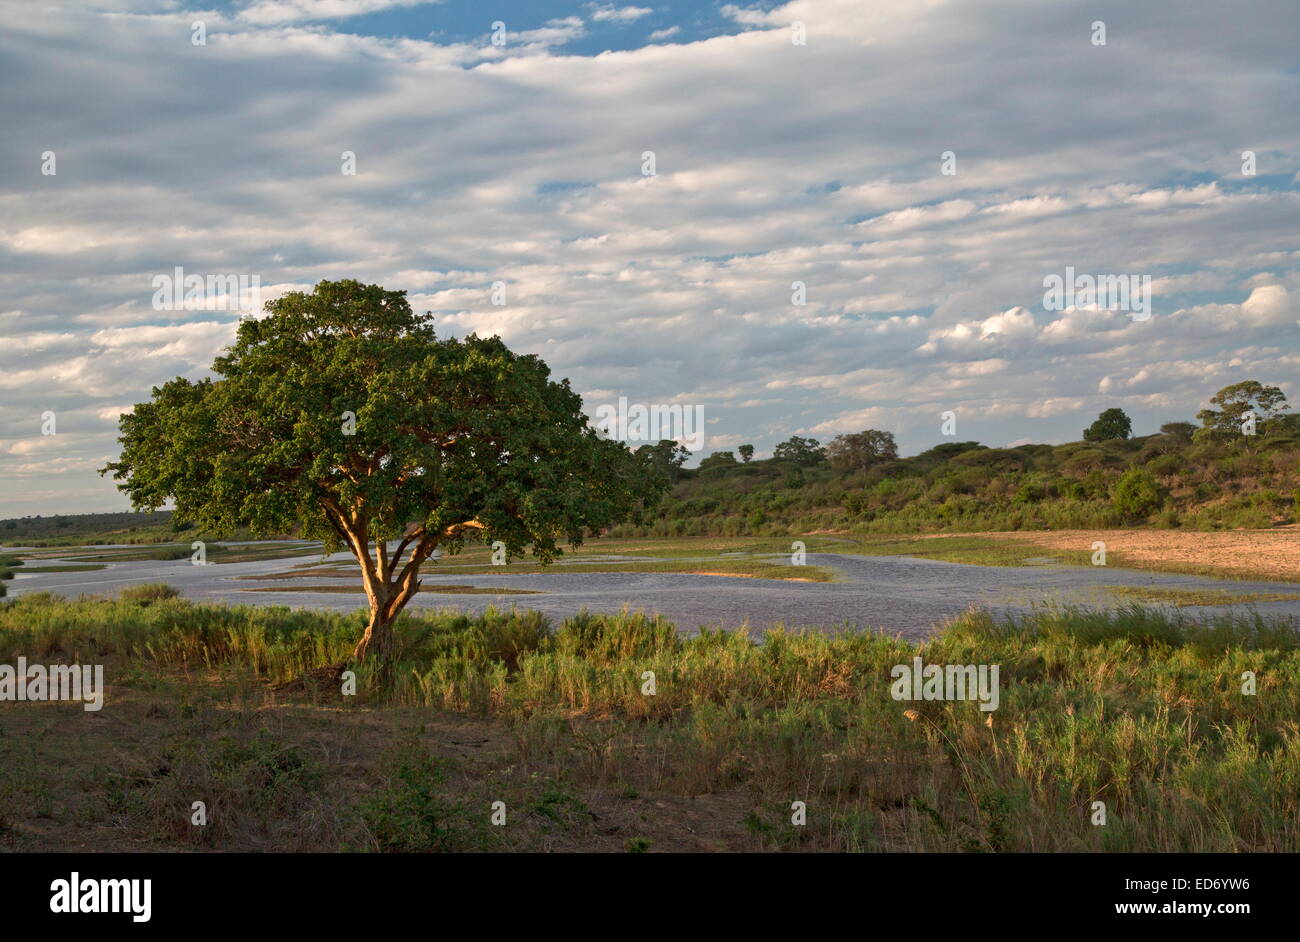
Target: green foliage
(1138,494)
(1235,403)
(407,814)
(1111,424)
(148,593)
(1200,483)
(342,417)
(718,461)
(1139,707)
(665,458)
(446,431)
(861,450)
(802,451)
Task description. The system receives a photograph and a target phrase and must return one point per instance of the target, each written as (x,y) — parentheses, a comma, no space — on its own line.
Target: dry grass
(1140,709)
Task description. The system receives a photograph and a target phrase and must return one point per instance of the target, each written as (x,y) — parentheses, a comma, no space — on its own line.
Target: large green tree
(1233,403)
(1110,425)
(667,457)
(802,451)
(341,416)
(858,451)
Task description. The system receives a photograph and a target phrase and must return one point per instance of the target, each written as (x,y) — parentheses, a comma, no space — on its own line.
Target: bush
(1166,465)
(1138,494)
(149,592)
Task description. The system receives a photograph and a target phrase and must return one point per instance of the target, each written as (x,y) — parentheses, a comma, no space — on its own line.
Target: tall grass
(1140,709)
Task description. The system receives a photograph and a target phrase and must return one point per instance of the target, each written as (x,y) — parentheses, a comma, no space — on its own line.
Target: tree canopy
(1110,425)
(1235,402)
(803,451)
(860,450)
(342,417)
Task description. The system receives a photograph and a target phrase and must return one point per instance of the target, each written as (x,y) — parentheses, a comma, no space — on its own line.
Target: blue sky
(776,162)
(606,26)
(602,26)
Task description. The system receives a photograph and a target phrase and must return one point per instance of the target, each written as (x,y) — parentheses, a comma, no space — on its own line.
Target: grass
(89,567)
(972,550)
(1184,598)
(216,552)
(1140,708)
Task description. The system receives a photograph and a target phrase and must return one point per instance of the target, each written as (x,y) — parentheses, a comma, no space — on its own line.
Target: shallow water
(896,594)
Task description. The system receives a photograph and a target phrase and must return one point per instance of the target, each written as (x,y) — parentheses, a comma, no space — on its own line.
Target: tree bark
(387,588)
(378,639)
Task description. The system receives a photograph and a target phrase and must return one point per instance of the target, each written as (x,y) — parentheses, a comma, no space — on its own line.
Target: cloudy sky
(775,162)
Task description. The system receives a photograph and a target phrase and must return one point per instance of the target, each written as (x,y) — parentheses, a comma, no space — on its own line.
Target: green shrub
(1166,465)
(147,593)
(1138,494)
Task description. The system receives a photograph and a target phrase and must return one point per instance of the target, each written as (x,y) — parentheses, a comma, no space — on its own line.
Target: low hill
(1171,479)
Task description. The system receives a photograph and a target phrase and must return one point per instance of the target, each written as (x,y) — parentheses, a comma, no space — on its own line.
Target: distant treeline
(1240,467)
(91,529)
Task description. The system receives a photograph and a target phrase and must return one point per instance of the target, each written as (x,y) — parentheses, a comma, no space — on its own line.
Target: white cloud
(278,12)
(611,13)
(776,163)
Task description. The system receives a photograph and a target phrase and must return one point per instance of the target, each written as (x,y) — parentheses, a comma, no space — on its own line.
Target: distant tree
(946,451)
(860,450)
(341,417)
(718,460)
(1110,425)
(746,453)
(667,457)
(1183,431)
(1234,402)
(802,451)
(1285,425)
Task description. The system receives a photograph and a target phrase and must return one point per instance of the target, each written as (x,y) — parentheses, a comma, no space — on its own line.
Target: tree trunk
(378,639)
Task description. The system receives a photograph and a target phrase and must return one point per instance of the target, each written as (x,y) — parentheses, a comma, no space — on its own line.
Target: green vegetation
(8,562)
(102,529)
(1141,709)
(972,550)
(342,417)
(90,567)
(1211,478)
(216,553)
(1111,424)
(1183,598)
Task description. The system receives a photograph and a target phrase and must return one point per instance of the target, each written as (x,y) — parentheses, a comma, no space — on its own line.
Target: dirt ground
(59,763)
(1262,554)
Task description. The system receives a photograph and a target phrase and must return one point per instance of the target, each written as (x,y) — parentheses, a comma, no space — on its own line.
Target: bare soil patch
(1262,554)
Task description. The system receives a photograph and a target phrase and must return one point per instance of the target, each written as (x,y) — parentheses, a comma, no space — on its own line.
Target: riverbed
(895,594)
